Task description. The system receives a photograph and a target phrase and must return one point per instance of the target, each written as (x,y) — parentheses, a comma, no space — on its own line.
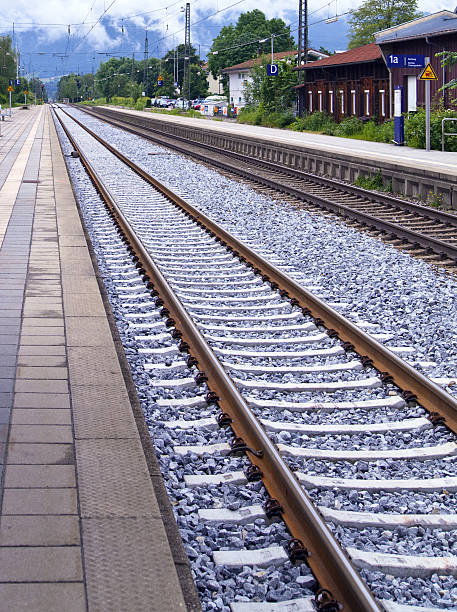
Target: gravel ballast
(269,230)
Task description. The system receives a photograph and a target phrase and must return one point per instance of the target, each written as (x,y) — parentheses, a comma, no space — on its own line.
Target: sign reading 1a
(405,61)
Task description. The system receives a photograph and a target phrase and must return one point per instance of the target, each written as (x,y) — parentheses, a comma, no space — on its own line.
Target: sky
(57,37)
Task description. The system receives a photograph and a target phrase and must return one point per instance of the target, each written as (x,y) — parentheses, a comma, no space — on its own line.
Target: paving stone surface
(75,489)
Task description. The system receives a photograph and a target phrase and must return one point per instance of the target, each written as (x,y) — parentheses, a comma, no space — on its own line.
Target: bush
(374,182)
(415,130)
(141,103)
(260,116)
(349,127)
(279,120)
(121,101)
(251,115)
(314,122)
(385,131)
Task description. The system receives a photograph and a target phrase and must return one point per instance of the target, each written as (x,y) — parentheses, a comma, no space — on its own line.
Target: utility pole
(302,47)
(187,49)
(146,57)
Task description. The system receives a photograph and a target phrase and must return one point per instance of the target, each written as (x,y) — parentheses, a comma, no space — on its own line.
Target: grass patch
(373,183)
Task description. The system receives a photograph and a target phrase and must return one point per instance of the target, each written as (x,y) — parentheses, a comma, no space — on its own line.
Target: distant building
(359,83)
(240,73)
(352,83)
(214,85)
(425,36)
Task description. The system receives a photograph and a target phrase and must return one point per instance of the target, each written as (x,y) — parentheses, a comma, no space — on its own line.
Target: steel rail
(328,561)
(428,394)
(439,246)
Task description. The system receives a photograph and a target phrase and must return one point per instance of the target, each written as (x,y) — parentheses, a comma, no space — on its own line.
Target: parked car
(196,104)
(182,103)
(165,102)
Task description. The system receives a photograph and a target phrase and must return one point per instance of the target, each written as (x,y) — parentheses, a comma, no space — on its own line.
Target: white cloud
(163,23)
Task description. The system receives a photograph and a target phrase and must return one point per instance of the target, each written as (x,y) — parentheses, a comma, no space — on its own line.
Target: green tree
(449,60)
(326,51)
(113,77)
(273,93)
(231,42)
(7,67)
(67,88)
(37,88)
(175,65)
(198,83)
(375,15)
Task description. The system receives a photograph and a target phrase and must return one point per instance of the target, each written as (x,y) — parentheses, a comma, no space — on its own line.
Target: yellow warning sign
(10,88)
(428,74)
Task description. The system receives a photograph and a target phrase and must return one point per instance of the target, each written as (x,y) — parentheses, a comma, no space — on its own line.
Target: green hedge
(415,129)
(259,116)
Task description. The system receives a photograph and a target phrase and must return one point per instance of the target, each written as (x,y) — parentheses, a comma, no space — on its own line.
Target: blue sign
(405,61)
(10,82)
(272,69)
(159,83)
(17,82)
(176,84)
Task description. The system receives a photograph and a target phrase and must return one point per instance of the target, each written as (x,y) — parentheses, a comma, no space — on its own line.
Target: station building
(427,36)
(352,83)
(359,82)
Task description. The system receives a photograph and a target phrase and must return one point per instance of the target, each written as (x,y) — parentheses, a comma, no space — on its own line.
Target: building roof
(441,22)
(359,55)
(276,56)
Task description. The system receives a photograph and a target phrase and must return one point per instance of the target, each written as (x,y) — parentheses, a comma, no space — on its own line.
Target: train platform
(85,524)
(443,162)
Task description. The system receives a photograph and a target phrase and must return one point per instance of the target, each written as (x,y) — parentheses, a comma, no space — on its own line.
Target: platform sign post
(399,120)
(427,75)
(10,90)
(272,69)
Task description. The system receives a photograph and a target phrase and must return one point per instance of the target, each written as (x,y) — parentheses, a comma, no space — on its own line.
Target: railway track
(261,347)
(432,232)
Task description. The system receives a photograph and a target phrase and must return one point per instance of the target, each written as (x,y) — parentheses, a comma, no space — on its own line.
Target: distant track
(433,231)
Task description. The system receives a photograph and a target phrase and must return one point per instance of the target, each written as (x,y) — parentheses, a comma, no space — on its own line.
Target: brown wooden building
(358,82)
(352,83)
(425,36)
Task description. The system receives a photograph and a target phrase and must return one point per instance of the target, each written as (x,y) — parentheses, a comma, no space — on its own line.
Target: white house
(239,74)
(214,85)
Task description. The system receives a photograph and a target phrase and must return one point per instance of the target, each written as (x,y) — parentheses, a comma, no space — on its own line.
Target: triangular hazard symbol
(428,74)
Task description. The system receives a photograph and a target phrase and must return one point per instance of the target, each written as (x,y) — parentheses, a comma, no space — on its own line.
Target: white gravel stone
(291,605)
(244,515)
(427,484)
(262,557)
(205,480)
(403,565)
(420,453)
(391,521)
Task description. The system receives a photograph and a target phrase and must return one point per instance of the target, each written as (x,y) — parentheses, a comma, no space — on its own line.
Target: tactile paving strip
(113,479)
(94,365)
(94,407)
(127,565)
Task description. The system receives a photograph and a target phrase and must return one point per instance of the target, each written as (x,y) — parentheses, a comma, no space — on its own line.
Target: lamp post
(302,42)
